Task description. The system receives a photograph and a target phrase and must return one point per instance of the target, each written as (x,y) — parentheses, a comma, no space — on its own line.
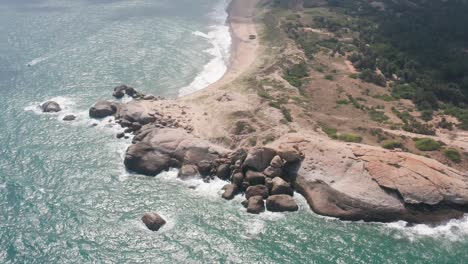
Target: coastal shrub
(264,94)
(295,74)
(392,144)
(445,124)
(342,102)
(350,138)
(427,144)
(426,115)
(286,114)
(330,131)
(419,128)
(329,77)
(377,116)
(373,77)
(453,155)
(355,102)
(384,97)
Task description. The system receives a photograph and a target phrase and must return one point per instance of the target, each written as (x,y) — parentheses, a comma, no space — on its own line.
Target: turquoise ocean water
(65,196)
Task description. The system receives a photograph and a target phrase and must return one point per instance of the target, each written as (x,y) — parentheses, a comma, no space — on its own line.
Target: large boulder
(155,150)
(254,178)
(272,172)
(153,221)
(237,178)
(230,190)
(187,171)
(50,107)
(290,153)
(145,159)
(239,154)
(102,109)
(119,91)
(223,171)
(277,162)
(135,112)
(255,205)
(258,159)
(280,186)
(281,203)
(257,190)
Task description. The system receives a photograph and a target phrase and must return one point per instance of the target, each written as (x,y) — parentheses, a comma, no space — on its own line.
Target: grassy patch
(295,74)
(427,144)
(392,144)
(330,131)
(286,114)
(350,138)
(377,116)
(453,155)
(384,97)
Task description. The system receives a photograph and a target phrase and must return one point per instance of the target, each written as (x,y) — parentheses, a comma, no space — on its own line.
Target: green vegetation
(427,144)
(392,144)
(418,47)
(329,77)
(295,74)
(377,116)
(350,138)
(384,97)
(412,125)
(342,102)
(286,114)
(355,102)
(330,131)
(372,77)
(453,155)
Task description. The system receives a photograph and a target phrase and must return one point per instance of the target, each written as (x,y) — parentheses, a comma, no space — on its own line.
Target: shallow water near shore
(65,196)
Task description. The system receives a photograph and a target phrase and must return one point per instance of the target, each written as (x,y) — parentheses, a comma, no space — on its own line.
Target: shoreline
(243,51)
(209,133)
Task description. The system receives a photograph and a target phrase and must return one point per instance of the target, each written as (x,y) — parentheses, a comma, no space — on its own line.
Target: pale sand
(208,115)
(244,50)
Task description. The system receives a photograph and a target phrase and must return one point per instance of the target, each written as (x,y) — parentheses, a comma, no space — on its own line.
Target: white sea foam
(67,104)
(453,230)
(220,39)
(211,189)
(37,60)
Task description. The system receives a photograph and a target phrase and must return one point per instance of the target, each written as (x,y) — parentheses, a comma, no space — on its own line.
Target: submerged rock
(50,106)
(153,221)
(69,118)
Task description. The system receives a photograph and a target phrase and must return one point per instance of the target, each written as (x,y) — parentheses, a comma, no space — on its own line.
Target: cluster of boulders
(264,174)
(54,107)
(133,116)
(122,90)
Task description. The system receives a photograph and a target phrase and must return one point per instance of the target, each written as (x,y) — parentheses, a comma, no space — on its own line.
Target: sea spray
(220,38)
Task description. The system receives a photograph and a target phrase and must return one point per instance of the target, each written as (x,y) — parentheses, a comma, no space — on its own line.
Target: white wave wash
(220,39)
(453,230)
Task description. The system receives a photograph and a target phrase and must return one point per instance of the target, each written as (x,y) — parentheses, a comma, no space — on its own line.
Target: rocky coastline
(343,180)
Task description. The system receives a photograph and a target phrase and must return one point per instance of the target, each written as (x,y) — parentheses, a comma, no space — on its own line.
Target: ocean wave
(219,37)
(211,189)
(37,60)
(453,230)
